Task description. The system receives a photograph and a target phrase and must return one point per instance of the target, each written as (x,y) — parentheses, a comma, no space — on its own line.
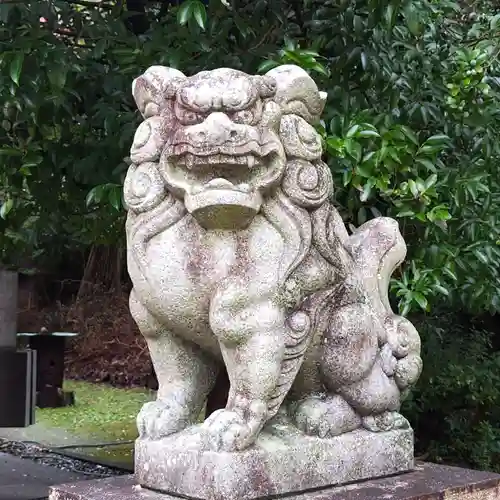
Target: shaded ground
(102,414)
(26,480)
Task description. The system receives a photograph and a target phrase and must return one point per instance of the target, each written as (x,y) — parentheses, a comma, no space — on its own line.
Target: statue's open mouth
(222,171)
(191,161)
(223,184)
(250,155)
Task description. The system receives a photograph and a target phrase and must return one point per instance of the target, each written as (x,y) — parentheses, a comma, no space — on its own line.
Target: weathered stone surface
(427,482)
(282,460)
(239,258)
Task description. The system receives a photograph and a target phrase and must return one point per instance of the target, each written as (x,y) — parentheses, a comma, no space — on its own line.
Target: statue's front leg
(185,377)
(251,333)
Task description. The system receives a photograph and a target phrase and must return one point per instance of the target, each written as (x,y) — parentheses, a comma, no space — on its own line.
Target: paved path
(44,435)
(54,437)
(22,479)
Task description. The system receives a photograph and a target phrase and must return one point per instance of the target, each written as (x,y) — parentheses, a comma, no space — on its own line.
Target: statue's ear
(297,93)
(152,89)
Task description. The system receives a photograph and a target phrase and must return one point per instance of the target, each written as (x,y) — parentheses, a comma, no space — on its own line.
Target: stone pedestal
(282,461)
(427,481)
(240,262)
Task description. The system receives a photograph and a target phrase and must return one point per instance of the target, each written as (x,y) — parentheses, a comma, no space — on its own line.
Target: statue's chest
(187,263)
(186,259)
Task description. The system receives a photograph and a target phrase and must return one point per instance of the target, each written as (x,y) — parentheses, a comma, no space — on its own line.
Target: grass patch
(101,413)
(120,455)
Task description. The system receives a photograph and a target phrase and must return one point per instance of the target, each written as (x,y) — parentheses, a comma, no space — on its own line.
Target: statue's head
(216,136)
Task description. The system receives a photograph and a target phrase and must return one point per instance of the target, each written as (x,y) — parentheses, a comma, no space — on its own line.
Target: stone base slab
(427,481)
(282,461)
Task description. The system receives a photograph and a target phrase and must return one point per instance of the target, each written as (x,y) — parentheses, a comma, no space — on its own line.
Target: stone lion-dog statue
(238,258)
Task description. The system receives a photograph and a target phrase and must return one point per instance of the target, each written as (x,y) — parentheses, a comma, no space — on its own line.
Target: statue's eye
(190,118)
(245,116)
(186,116)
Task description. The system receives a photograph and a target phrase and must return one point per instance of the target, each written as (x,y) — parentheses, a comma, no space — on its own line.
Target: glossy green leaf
(265,66)
(185,11)
(115,198)
(413,188)
(353,131)
(421,300)
(6,207)
(481,256)
(368,133)
(16,67)
(200,14)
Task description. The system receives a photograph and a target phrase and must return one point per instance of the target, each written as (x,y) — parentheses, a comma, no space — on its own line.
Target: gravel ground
(37,453)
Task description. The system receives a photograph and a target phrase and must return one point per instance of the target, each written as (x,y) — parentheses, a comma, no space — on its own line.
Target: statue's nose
(217,129)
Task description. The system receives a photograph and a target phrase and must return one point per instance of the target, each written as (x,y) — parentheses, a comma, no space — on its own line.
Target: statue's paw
(158,419)
(326,417)
(226,430)
(386,421)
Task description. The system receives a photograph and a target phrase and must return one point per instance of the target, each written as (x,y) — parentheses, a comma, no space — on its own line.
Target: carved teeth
(214,159)
(267,149)
(219,183)
(244,188)
(197,189)
(189,161)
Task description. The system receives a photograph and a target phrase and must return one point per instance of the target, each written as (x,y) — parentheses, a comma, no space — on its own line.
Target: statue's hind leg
(185,377)
(355,367)
(315,410)
(344,360)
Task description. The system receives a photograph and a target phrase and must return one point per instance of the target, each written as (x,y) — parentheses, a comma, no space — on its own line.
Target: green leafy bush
(410,127)
(455,408)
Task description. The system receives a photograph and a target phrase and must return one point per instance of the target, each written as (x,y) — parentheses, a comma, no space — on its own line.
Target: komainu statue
(239,258)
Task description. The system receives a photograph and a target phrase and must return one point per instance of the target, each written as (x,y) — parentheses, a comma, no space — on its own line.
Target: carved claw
(325,417)
(387,421)
(234,429)
(158,419)
(387,361)
(227,431)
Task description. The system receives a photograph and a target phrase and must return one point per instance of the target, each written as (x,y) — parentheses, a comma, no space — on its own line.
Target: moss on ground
(101,413)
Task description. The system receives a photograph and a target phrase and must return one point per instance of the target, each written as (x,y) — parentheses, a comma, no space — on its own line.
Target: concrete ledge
(283,460)
(426,482)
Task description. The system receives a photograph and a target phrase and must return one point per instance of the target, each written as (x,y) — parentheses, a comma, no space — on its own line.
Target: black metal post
(17,366)
(8,308)
(50,349)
